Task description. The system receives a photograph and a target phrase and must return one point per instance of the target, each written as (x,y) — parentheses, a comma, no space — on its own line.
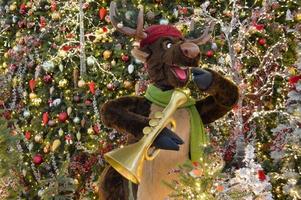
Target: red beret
(154,32)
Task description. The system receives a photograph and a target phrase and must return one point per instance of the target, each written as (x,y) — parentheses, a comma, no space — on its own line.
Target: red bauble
(261,175)
(37,159)
(88,102)
(125,58)
(262,41)
(23,9)
(32,84)
(47,78)
(259,27)
(102,13)
(294,79)
(53,6)
(45,118)
(63,116)
(96,129)
(42,22)
(209,53)
(27,135)
(76,98)
(110,86)
(92,87)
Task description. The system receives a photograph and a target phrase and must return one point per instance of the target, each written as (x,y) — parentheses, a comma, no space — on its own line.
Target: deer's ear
(139,55)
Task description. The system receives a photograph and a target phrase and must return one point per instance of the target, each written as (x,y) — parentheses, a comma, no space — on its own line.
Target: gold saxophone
(128,161)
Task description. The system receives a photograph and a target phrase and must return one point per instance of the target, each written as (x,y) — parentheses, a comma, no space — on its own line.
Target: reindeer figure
(168,56)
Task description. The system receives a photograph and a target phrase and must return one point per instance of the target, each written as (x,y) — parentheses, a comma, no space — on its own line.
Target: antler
(138,33)
(205,37)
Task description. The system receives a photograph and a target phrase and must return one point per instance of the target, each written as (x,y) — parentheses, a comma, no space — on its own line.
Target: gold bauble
(36,101)
(107,54)
(90,130)
(63,83)
(81,83)
(128,84)
(56,143)
(55,16)
(13,6)
(32,95)
(46,148)
(298,17)
(237,47)
(38,138)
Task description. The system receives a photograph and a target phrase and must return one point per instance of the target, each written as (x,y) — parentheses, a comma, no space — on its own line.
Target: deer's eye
(168,45)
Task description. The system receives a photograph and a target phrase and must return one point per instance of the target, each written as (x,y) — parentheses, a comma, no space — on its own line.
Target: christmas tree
(62,60)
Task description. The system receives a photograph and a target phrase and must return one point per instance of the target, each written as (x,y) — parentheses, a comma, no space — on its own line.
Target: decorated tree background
(60,60)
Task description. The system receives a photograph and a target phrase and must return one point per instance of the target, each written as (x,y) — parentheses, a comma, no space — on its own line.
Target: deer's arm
(223,95)
(126,114)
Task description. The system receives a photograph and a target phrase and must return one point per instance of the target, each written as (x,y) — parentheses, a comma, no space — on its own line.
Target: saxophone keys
(153,122)
(146,130)
(158,115)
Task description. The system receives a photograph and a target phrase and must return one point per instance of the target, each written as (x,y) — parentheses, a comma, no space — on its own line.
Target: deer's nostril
(186,52)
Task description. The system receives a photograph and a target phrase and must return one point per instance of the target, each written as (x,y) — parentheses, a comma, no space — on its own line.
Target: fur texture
(164,57)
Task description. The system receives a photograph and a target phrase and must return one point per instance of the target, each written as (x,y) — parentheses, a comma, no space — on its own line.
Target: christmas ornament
(22,9)
(81,83)
(102,13)
(32,84)
(76,120)
(237,47)
(90,131)
(63,83)
(38,138)
(27,135)
(96,129)
(261,41)
(125,58)
(78,136)
(76,98)
(164,21)
(128,85)
(51,123)
(37,159)
(32,96)
(42,23)
(90,61)
(45,118)
(131,68)
(209,53)
(107,54)
(56,16)
(53,6)
(47,79)
(56,102)
(61,67)
(214,46)
(26,113)
(113,62)
(48,66)
(68,139)
(63,116)
(56,143)
(51,90)
(83,122)
(110,86)
(92,87)
(13,6)
(69,110)
(88,102)
(61,132)
(298,17)
(46,149)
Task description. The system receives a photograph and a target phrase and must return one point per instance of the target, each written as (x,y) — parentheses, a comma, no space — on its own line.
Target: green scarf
(198,136)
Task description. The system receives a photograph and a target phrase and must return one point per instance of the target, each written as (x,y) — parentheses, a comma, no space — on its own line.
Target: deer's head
(164,50)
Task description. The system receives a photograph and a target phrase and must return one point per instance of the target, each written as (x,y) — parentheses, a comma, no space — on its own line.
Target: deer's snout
(190,49)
